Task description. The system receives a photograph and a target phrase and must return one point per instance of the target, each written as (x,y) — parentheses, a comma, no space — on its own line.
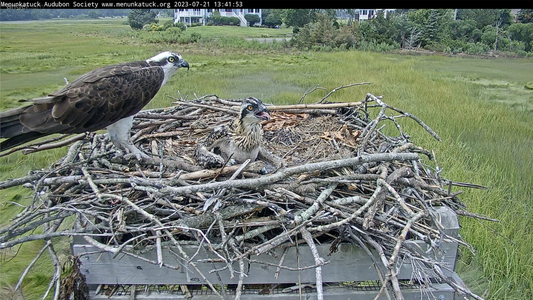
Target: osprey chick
(105,97)
(240,140)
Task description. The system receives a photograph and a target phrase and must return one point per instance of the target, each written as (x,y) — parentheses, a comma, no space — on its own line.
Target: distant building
(367,14)
(190,16)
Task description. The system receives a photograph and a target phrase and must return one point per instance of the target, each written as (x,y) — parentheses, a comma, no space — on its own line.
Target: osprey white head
(169,61)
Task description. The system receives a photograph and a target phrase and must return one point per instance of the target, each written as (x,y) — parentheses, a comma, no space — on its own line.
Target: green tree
(433,25)
(482,17)
(299,17)
(525,16)
(465,31)
(326,33)
(252,19)
(272,17)
(520,32)
(93,14)
(216,18)
(137,18)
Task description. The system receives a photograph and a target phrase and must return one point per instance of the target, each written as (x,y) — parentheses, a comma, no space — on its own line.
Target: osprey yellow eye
(250,107)
(171,59)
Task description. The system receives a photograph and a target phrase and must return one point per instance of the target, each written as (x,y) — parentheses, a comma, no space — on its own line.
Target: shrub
(252,19)
(477,48)
(137,18)
(180,25)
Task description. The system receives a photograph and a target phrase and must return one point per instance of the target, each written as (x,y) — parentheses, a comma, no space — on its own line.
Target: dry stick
(474,215)
(279,266)
(313,106)
(369,129)
(326,228)
(211,107)
(276,241)
(380,269)
(118,250)
(253,167)
(39,144)
(341,87)
(224,242)
(159,251)
(240,283)
(177,163)
(316,205)
(381,255)
(311,90)
(45,236)
(27,269)
(281,260)
(392,260)
(174,241)
(53,255)
(57,274)
(284,173)
(400,200)
(318,261)
(384,105)
(437,269)
(60,144)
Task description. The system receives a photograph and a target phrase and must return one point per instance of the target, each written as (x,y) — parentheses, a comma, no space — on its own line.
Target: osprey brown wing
(95,100)
(91,102)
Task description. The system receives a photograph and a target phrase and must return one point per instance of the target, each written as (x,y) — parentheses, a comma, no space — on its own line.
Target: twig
(314,208)
(341,87)
(31,264)
(284,173)
(315,106)
(391,273)
(318,261)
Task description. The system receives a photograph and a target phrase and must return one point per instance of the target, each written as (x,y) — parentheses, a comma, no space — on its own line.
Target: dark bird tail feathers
(20,139)
(16,133)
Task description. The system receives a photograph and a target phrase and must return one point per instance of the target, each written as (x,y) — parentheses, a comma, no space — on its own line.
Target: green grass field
(479,107)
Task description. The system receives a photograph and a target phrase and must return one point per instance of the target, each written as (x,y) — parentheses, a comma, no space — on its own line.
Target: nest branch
(344,180)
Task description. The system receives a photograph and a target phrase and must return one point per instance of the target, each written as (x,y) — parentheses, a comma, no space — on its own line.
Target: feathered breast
(248,137)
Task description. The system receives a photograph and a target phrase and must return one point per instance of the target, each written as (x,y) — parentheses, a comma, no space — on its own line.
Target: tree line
(473,31)
(46,14)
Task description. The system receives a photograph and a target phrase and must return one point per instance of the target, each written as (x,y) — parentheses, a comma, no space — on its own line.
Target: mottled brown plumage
(93,101)
(238,141)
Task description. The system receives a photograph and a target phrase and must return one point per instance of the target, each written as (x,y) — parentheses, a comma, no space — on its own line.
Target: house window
(365,12)
(197,11)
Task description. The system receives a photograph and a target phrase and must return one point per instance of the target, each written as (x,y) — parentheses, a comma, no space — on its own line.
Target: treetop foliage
(137,18)
(473,31)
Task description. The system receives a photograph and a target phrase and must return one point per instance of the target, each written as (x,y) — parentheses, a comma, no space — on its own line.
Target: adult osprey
(238,141)
(105,97)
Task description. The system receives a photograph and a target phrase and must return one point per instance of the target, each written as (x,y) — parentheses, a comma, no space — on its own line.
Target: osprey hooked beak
(183,64)
(263,114)
(254,110)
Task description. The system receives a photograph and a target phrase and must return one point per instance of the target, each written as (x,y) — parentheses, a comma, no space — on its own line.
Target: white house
(190,16)
(367,14)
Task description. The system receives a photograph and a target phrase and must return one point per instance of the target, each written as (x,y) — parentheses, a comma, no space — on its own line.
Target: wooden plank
(349,263)
(437,291)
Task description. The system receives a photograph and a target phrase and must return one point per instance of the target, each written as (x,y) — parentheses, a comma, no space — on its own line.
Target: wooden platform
(348,267)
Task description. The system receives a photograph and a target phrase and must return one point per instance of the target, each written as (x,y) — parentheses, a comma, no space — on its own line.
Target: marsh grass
(486,139)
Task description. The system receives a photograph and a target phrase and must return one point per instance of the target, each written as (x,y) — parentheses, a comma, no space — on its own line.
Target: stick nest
(345,180)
